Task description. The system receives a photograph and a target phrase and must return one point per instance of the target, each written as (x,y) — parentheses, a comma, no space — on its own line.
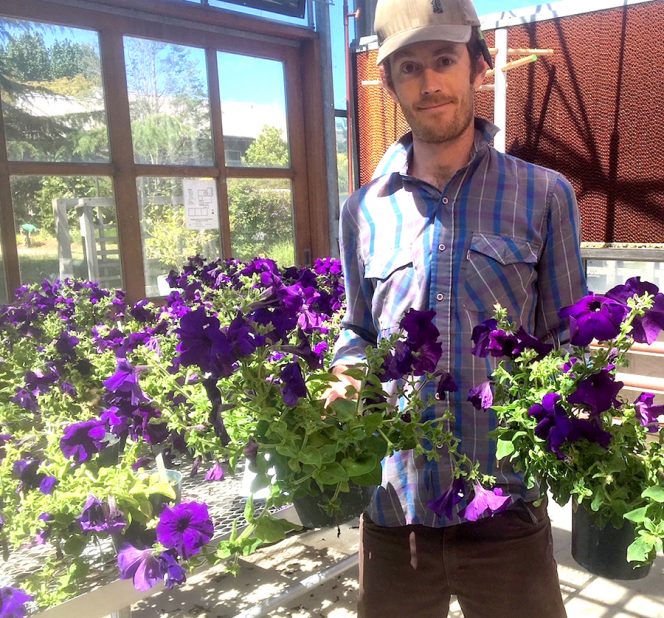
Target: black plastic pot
(312,514)
(603,551)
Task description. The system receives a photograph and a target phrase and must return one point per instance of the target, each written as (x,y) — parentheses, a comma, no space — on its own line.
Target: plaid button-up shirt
(501,231)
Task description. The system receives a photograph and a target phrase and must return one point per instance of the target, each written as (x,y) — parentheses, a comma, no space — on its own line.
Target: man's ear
(482,68)
(384,67)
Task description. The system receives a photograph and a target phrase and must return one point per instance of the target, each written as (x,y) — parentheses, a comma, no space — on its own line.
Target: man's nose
(430,81)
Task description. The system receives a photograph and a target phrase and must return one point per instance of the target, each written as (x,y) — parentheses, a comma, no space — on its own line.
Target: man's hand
(337,390)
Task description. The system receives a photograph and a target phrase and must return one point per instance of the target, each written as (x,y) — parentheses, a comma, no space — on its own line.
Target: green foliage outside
(170,125)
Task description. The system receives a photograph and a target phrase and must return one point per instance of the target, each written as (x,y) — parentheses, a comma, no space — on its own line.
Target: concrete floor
(270,572)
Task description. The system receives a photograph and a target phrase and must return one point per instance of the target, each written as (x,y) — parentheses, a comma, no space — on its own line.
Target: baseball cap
(403,22)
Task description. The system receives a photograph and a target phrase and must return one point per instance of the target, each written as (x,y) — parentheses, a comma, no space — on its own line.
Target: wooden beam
(122,156)
(311,94)
(7,226)
(52,168)
(523,51)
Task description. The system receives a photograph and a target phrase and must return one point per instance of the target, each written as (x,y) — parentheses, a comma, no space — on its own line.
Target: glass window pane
(179,219)
(261,219)
(254,119)
(52,93)
(4,298)
(168,103)
(342,157)
(66,227)
(602,275)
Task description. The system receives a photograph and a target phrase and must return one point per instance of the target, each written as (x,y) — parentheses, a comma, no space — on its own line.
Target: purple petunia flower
(173,572)
(481,396)
(446,384)
(293,386)
(426,358)
(47,484)
(12,602)
(215,473)
(398,362)
(26,400)
(140,565)
(647,412)
(142,311)
(569,365)
(443,506)
(589,429)
(40,381)
(186,528)
(65,345)
(100,516)
(124,382)
(647,327)
(42,535)
(594,317)
(419,327)
(484,500)
(553,424)
(526,341)
(481,337)
(26,471)
(597,392)
(82,440)
(202,344)
(141,462)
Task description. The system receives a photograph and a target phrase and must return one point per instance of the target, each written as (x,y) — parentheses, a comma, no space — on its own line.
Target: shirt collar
(399,155)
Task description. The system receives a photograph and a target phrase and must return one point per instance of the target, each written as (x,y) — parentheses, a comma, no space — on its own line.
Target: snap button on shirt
(441,247)
(445,200)
(439,297)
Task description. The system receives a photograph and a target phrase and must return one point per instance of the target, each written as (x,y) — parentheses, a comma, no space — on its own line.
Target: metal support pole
(500,90)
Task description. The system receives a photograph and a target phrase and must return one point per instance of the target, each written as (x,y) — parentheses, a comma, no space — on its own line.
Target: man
(451,224)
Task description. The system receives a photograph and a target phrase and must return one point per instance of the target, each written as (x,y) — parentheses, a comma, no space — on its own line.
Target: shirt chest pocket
(499,269)
(392,278)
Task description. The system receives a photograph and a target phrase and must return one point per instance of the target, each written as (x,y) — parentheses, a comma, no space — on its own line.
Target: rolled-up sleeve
(561,277)
(357,327)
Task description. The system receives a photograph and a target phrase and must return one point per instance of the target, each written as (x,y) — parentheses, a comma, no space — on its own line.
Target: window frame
(213,30)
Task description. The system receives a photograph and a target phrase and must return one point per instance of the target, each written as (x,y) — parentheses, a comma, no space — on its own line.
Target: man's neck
(437,163)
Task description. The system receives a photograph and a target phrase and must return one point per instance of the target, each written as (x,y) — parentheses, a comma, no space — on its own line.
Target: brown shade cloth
(593,111)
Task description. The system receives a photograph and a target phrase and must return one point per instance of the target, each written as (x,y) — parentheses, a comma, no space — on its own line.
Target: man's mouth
(433,105)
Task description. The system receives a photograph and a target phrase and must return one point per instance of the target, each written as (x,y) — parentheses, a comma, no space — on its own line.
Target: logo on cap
(437,6)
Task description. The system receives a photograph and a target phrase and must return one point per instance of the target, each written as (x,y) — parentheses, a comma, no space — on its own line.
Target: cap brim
(439,32)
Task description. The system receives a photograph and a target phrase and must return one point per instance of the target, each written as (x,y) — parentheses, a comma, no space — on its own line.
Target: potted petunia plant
(566,423)
(263,359)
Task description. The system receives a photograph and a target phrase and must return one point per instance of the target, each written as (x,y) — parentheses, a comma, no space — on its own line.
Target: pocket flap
(504,249)
(382,264)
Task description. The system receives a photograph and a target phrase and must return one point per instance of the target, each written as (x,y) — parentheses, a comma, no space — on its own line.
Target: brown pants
(500,567)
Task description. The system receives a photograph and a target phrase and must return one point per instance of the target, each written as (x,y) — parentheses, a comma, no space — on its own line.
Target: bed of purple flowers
(231,366)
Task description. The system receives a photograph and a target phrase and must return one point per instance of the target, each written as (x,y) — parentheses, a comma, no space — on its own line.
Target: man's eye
(407,68)
(445,61)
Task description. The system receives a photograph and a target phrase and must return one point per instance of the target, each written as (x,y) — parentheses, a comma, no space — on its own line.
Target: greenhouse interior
(220,370)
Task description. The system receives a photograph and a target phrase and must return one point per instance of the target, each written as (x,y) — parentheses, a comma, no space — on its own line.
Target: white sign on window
(200,204)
